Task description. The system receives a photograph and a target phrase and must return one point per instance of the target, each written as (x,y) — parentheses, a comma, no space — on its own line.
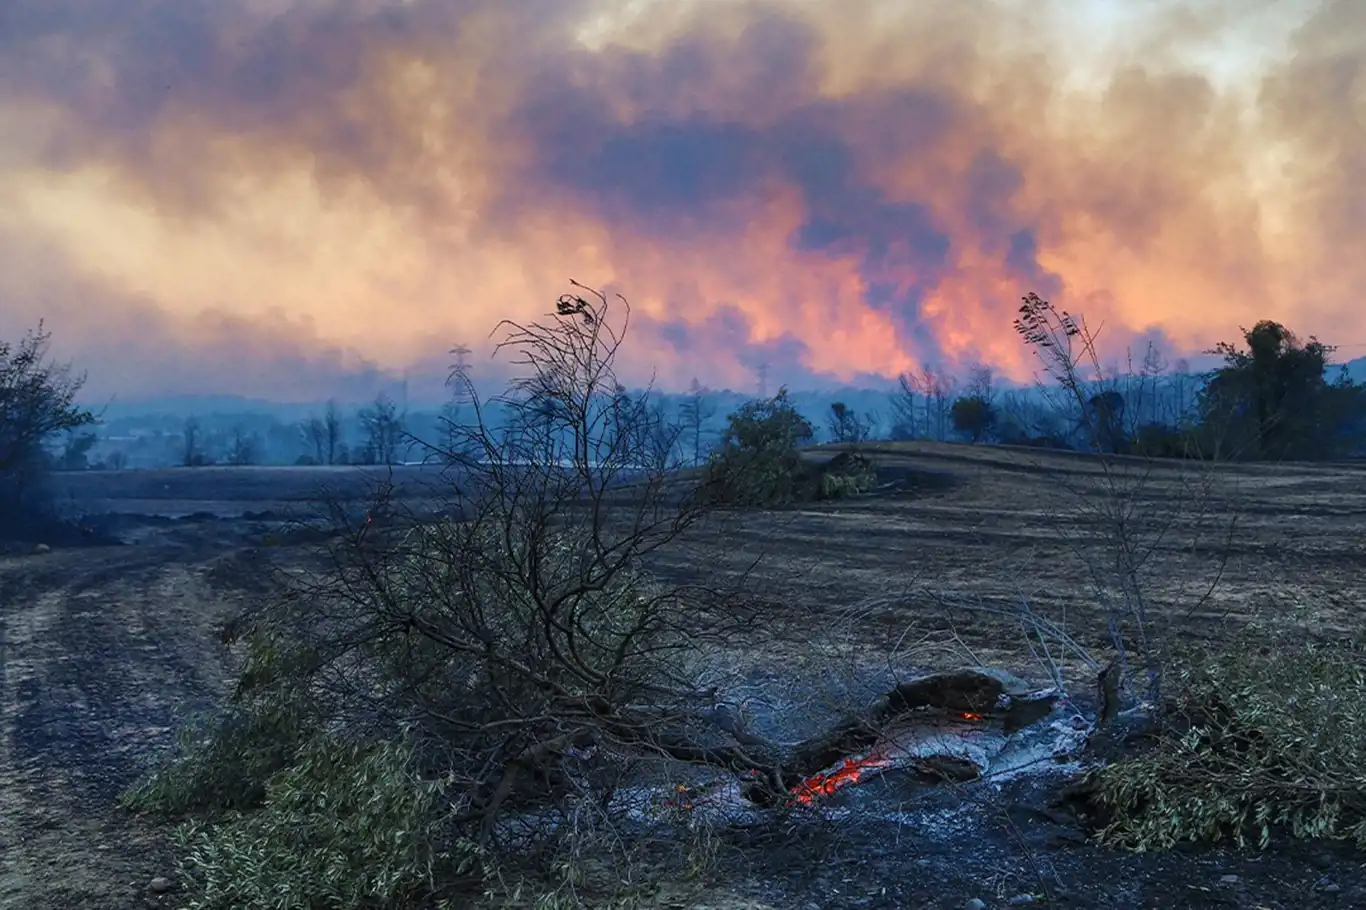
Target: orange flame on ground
(683,797)
(848,772)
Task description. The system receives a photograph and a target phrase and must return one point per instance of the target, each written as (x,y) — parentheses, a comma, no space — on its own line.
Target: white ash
(704,797)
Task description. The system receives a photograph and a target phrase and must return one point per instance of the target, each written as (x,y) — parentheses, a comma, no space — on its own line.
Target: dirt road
(102,650)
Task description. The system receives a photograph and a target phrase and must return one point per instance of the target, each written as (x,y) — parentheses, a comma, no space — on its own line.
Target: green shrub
(758,463)
(347,826)
(845,475)
(223,762)
(1155,440)
(1263,738)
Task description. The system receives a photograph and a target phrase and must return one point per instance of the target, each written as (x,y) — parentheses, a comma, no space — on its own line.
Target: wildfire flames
(849,771)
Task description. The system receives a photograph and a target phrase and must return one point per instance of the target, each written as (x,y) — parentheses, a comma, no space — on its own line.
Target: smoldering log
(776,768)
(773,771)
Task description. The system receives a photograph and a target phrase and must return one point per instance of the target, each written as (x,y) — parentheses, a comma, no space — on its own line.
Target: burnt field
(229,492)
(104,649)
(995,528)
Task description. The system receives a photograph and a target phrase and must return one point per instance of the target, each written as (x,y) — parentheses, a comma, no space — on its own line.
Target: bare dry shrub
(1135,517)
(518,643)
(1262,735)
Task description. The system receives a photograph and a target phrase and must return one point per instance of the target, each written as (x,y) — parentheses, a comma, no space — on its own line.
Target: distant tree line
(1273,397)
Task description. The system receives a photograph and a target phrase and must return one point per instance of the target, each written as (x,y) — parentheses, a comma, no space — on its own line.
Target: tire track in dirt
(101,654)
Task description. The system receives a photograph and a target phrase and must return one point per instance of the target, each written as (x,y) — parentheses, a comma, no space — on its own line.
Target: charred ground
(103,649)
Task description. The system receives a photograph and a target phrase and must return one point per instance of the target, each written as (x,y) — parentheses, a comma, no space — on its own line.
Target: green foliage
(768,425)
(615,624)
(758,463)
(1155,440)
(1270,399)
(38,397)
(224,762)
(847,474)
(1263,737)
(345,826)
(514,642)
(842,486)
(973,416)
(314,822)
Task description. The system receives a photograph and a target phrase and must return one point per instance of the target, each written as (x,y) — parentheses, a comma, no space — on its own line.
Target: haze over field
(293,200)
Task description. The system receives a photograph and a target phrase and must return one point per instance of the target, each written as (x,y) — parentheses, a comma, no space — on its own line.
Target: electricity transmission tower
(458,378)
(763,380)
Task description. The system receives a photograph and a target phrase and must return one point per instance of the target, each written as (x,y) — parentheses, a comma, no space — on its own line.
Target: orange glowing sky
(275,198)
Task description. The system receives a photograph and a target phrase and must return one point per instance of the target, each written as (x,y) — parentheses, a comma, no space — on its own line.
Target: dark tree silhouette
(973,416)
(1272,399)
(384,429)
(37,401)
(846,426)
(1106,421)
(696,410)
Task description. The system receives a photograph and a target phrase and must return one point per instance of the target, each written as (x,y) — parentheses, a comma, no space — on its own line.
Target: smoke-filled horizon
(289,199)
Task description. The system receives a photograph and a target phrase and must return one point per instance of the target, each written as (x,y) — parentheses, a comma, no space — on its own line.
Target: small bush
(347,826)
(1155,440)
(1262,738)
(224,762)
(758,463)
(845,475)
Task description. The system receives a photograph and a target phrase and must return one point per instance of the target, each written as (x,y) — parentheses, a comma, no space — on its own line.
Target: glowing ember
(683,799)
(848,771)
